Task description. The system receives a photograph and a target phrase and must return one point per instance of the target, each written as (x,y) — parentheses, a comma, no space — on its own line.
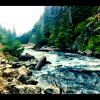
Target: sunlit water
(75,73)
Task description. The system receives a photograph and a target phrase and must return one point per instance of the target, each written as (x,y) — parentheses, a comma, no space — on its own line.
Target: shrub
(13,48)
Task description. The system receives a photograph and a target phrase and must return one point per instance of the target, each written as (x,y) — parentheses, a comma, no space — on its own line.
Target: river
(72,72)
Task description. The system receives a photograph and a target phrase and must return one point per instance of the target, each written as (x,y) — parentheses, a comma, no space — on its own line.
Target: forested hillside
(75,27)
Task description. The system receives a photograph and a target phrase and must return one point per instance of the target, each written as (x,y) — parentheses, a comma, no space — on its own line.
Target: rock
(88,52)
(49,91)
(32,66)
(3,84)
(96,54)
(8,66)
(26,57)
(15,82)
(52,90)
(29,89)
(23,79)
(48,62)
(5,92)
(3,61)
(10,72)
(23,70)
(40,63)
(58,65)
(33,82)
(12,89)
(1,73)
(29,73)
(16,65)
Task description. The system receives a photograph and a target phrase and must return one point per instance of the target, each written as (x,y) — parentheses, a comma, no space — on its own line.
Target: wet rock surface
(40,63)
(26,57)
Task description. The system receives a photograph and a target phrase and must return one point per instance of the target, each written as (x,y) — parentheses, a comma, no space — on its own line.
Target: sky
(22,18)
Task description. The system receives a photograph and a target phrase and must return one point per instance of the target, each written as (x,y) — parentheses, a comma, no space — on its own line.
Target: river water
(74,73)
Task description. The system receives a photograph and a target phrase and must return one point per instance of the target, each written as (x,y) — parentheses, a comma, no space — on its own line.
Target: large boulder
(27,80)
(23,70)
(23,79)
(26,57)
(41,63)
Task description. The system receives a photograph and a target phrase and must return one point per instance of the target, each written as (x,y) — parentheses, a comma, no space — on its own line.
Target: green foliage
(13,48)
(80,13)
(61,41)
(80,27)
(94,43)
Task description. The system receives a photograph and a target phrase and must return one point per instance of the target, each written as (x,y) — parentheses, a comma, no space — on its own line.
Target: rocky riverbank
(68,50)
(37,72)
(16,76)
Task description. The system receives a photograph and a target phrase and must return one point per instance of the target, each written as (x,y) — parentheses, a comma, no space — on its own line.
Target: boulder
(88,52)
(3,61)
(23,79)
(51,89)
(23,70)
(15,82)
(40,63)
(26,57)
(8,66)
(29,73)
(32,81)
(16,65)
(12,89)
(48,62)
(96,54)
(10,72)
(32,66)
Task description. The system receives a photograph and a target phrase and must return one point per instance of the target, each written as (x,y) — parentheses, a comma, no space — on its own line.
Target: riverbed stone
(32,81)
(3,61)
(16,65)
(10,72)
(40,63)
(29,73)
(29,89)
(26,57)
(23,70)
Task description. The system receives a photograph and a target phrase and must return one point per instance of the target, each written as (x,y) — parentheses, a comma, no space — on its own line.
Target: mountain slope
(74,27)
